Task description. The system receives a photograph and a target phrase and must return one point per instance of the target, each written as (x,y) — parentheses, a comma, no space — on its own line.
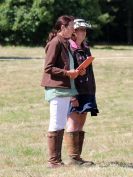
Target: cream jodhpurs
(58,113)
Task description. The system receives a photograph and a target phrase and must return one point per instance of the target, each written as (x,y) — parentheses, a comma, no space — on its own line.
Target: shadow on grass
(18,58)
(112,48)
(115,163)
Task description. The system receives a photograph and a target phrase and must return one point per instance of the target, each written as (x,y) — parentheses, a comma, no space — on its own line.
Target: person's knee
(73,122)
(70,127)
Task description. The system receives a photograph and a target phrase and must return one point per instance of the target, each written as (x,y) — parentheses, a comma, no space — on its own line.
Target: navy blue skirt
(87,103)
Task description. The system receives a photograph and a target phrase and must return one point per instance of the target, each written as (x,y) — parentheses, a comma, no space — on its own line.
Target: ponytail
(62,20)
(51,35)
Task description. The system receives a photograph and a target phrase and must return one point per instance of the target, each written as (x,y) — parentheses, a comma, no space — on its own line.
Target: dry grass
(24,116)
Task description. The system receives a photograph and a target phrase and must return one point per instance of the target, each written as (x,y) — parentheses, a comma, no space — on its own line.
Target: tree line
(28,22)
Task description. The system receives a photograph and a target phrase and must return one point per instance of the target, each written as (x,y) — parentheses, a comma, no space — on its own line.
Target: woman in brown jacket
(58,80)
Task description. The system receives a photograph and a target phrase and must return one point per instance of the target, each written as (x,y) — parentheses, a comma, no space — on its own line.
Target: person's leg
(54,140)
(74,138)
(73,121)
(58,116)
(82,136)
(58,113)
(82,119)
(81,132)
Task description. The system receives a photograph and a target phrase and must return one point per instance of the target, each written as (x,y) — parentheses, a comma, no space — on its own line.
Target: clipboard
(86,63)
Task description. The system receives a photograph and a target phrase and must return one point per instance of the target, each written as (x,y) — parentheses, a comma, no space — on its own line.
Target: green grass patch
(24,116)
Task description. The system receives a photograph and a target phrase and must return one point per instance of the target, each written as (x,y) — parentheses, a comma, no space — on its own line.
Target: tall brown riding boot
(60,136)
(72,144)
(81,141)
(55,146)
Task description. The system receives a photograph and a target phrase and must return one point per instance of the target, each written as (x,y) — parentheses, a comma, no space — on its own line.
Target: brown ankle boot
(55,146)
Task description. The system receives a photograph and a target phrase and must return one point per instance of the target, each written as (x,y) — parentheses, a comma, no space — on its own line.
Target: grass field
(24,116)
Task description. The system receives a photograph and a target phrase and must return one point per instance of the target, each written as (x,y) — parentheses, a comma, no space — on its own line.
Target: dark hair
(73,37)
(62,20)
